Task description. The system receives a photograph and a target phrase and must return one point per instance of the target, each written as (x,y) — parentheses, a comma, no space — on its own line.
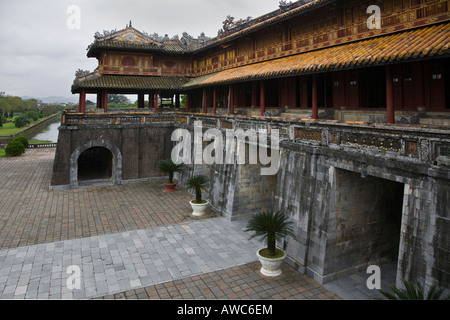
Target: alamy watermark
(74,20)
(374,21)
(374,280)
(234,143)
(74,280)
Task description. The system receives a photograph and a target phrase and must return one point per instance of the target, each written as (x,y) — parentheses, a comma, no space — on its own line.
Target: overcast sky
(39,53)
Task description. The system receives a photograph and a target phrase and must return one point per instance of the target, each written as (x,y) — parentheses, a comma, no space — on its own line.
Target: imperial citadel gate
(362,114)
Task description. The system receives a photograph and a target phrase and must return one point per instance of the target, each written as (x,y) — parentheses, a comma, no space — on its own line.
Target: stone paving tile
(130,241)
(31,214)
(110,263)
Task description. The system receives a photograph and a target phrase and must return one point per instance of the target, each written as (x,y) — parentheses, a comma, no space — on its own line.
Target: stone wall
(358,195)
(351,212)
(137,150)
(235,191)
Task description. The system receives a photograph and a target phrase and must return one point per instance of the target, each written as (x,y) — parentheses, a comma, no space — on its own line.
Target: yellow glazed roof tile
(413,44)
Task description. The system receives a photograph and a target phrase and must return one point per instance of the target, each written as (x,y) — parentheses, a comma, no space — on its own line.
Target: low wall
(358,194)
(32,130)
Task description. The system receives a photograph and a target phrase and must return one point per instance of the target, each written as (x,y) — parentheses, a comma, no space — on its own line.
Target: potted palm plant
(168,166)
(197,183)
(270,226)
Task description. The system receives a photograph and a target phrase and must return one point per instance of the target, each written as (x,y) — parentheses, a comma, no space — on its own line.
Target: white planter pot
(271,267)
(199,209)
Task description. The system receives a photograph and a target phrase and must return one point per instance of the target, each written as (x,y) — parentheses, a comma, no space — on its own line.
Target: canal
(49,134)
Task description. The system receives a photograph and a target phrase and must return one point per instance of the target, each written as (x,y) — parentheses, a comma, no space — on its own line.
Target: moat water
(50,133)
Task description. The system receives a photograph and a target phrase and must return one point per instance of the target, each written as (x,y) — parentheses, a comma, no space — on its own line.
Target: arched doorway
(95,163)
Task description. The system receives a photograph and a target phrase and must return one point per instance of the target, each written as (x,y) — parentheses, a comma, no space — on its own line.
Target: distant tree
(21,121)
(4,105)
(117,98)
(33,115)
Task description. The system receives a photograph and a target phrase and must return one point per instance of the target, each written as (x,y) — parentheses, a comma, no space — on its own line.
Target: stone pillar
(262,97)
(389,96)
(82,103)
(315,107)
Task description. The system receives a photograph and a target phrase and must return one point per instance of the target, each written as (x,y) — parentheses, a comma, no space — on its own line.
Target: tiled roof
(123,45)
(414,44)
(141,42)
(132,83)
(271,18)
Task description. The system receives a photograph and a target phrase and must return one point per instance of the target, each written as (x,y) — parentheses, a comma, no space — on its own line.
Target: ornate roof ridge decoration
(133,38)
(230,26)
(187,43)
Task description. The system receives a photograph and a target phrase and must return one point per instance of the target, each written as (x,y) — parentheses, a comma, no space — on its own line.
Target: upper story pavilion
(312,59)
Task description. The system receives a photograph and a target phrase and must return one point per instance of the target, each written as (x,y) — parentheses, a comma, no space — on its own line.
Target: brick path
(240,282)
(31,214)
(42,232)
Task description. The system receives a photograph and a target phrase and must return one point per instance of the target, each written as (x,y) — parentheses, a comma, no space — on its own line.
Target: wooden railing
(391,22)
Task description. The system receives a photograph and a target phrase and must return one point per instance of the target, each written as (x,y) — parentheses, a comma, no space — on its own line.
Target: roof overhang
(417,44)
(129,84)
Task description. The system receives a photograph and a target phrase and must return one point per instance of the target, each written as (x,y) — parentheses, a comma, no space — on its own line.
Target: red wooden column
(254,93)
(315,107)
(82,103)
(155,101)
(177,100)
(262,97)
(150,101)
(187,102)
(214,101)
(231,99)
(141,100)
(389,96)
(105,100)
(205,101)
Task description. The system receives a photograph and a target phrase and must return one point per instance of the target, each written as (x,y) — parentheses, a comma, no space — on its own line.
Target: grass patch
(39,141)
(8,129)
(2,153)
(278,253)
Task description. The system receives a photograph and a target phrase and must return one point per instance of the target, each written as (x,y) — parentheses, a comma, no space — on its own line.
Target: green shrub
(22,140)
(21,121)
(14,149)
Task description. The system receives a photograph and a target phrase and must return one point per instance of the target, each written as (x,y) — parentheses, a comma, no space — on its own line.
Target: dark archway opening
(368,220)
(95,163)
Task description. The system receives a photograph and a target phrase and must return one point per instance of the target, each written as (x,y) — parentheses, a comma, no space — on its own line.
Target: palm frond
(412,293)
(270,226)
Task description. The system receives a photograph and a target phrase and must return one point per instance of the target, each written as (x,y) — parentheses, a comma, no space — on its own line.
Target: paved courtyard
(130,241)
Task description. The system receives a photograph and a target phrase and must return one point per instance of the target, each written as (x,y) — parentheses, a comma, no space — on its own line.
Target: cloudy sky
(39,53)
